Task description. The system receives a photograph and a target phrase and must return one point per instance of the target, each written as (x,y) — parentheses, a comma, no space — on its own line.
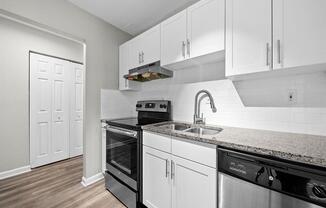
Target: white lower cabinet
(171,181)
(103,147)
(156,178)
(193,184)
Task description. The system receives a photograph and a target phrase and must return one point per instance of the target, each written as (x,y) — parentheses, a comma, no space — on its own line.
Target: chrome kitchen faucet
(199,119)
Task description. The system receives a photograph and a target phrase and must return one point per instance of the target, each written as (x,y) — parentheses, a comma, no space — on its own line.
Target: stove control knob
(163,106)
(138,105)
(319,192)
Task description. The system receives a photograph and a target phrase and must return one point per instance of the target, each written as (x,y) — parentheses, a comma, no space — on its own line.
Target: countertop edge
(308,160)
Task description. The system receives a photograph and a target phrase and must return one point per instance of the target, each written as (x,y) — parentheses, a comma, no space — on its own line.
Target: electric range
(123,177)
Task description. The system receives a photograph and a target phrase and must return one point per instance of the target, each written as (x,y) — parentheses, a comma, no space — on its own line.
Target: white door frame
(44,28)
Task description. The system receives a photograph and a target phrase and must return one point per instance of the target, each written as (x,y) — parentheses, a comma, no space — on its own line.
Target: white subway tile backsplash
(258,104)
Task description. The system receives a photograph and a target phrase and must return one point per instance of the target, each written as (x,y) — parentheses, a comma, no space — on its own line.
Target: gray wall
(102,41)
(16,41)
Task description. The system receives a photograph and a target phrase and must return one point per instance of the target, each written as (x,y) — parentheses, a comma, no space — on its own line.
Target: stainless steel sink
(176,126)
(204,131)
(180,127)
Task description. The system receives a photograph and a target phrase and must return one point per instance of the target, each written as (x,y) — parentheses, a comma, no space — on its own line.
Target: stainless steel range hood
(148,72)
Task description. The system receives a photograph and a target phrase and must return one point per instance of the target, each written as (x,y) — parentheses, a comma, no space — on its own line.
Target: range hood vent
(148,72)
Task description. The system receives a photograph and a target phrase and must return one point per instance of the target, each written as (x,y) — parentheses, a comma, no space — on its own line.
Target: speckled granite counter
(302,148)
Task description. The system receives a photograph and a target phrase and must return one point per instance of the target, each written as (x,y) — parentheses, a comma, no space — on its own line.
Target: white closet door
(40,109)
(49,109)
(60,110)
(76,116)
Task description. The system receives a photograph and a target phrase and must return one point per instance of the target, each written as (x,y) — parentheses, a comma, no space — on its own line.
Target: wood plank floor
(55,185)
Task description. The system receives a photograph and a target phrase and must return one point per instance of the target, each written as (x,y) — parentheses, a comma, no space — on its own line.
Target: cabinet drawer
(195,151)
(157,141)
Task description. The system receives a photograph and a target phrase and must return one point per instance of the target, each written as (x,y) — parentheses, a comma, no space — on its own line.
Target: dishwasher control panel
(302,182)
(243,168)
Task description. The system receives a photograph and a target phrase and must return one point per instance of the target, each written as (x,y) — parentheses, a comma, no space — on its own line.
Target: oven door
(122,153)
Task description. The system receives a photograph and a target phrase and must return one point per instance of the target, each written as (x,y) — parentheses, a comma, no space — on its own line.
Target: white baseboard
(93,179)
(14,172)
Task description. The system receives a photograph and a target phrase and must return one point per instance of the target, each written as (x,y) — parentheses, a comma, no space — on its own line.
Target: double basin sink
(188,128)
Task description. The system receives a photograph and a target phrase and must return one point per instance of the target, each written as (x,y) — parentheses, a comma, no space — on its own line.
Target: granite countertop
(303,148)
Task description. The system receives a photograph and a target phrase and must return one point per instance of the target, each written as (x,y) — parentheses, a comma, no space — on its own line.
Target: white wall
(117,104)
(102,40)
(16,41)
(258,104)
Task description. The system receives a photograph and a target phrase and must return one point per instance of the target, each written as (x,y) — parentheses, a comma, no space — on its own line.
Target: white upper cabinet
(248,36)
(124,67)
(205,28)
(134,53)
(151,45)
(299,33)
(263,36)
(145,48)
(173,39)
(194,32)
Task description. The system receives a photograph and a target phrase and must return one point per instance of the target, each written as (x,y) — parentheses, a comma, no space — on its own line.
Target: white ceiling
(133,16)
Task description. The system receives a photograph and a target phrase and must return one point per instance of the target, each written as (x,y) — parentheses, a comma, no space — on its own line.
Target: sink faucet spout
(198,119)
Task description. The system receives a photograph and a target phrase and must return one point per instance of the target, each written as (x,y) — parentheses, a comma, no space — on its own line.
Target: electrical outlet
(292,96)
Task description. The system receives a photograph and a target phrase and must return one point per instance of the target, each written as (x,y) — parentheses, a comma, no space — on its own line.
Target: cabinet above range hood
(148,73)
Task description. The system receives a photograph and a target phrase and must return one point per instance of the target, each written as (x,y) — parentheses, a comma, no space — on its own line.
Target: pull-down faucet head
(197,118)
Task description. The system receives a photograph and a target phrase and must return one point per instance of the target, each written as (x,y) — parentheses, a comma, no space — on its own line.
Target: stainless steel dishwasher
(251,181)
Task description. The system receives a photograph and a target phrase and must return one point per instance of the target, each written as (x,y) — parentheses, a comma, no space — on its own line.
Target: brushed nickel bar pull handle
(183,49)
(167,172)
(267,54)
(172,170)
(279,51)
(188,47)
(142,57)
(139,58)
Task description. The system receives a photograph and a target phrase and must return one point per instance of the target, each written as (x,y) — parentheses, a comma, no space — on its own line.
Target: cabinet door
(205,27)
(299,32)
(173,39)
(134,56)
(76,112)
(156,178)
(103,147)
(151,45)
(193,185)
(123,66)
(124,54)
(248,36)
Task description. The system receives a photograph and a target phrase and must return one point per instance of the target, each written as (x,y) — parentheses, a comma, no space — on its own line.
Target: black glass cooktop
(131,123)
(126,121)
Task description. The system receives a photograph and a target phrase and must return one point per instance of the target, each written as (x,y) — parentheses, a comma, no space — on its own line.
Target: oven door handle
(122,131)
